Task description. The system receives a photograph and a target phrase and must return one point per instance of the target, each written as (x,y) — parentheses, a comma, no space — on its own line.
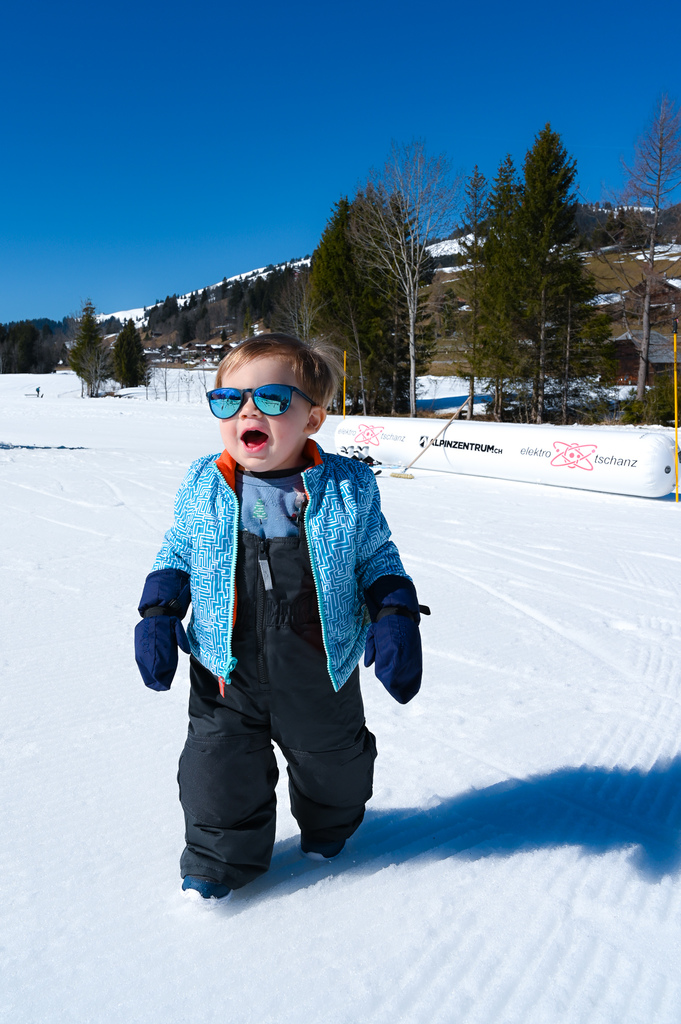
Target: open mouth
(253,440)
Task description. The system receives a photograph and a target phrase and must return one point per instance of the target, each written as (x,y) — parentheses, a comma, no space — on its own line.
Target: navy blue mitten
(164,602)
(394,642)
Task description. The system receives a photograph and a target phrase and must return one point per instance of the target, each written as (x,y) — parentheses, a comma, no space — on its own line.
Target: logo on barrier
(369,435)
(466,446)
(423,441)
(574,456)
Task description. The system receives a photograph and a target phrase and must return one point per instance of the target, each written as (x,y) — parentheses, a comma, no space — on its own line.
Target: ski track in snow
(520,862)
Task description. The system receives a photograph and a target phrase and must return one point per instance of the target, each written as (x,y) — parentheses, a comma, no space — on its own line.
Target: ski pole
(405,474)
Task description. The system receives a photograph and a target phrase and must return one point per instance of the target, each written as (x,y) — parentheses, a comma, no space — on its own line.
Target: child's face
(259,442)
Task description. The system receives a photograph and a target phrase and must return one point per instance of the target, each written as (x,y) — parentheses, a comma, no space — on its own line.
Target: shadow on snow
(596,809)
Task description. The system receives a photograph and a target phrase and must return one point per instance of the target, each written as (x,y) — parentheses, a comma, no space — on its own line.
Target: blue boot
(205,889)
(321,851)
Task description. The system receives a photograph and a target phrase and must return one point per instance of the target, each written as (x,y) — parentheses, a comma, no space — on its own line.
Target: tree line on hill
(41,344)
(227,310)
(33,346)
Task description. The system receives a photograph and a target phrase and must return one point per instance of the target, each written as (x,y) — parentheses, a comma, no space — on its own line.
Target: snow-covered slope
(449,247)
(140,314)
(521,858)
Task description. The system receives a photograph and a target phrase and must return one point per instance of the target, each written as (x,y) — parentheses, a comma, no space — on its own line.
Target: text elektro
(539,452)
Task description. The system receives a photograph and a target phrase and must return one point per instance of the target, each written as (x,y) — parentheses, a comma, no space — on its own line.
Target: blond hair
(317,367)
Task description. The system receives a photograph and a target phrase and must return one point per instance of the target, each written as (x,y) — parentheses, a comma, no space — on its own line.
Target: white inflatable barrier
(596,459)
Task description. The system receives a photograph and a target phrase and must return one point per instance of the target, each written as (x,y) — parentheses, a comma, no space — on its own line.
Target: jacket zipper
(263,584)
(315,577)
(231,660)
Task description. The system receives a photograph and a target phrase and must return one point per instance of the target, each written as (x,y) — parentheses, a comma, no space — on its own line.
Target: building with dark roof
(660,356)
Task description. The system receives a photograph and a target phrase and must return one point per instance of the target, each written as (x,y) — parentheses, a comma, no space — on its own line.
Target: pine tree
(247,324)
(259,510)
(540,330)
(88,357)
(185,330)
(546,221)
(342,290)
(7,355)
(129,364)
(500,285)
(584,358)
(475,214)
(362,315)
(26,337)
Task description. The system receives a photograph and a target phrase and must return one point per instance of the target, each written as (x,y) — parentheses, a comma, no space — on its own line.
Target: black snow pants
(281,691)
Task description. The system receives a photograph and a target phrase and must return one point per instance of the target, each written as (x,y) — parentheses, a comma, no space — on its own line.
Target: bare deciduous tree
(297,308)
(651,180)
(403,207)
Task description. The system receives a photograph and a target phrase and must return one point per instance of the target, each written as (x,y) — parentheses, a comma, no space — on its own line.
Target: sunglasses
(271,399)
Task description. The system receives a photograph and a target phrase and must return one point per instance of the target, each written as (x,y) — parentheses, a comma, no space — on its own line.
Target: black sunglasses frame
(217,393)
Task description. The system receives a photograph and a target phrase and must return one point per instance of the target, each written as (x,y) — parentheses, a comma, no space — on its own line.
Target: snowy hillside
(141,313)
(439,250)
(450,247)
(520,862)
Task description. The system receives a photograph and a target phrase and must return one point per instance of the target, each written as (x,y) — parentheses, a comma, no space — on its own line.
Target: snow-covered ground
(520,862)
(444,394)
(667,249)
(606,299)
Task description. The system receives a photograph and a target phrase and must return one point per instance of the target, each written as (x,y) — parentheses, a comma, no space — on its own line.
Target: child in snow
(285,556)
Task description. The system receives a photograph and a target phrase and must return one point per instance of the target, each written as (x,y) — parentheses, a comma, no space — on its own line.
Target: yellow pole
(345,364)
(676,414)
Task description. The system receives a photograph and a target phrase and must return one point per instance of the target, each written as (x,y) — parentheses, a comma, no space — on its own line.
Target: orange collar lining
(227,465)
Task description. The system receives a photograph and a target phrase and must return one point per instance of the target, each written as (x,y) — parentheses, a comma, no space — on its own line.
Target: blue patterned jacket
(348,539)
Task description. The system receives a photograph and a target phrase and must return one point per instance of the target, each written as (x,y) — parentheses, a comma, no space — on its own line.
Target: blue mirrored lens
(225,403)
(272,399)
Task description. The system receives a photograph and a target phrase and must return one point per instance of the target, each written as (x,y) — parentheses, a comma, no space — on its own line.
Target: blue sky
(150,148)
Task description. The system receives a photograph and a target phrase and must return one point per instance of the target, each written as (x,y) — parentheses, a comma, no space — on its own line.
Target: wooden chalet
(628,348)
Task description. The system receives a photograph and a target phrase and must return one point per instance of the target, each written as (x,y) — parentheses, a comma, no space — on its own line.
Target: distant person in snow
(287,560)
